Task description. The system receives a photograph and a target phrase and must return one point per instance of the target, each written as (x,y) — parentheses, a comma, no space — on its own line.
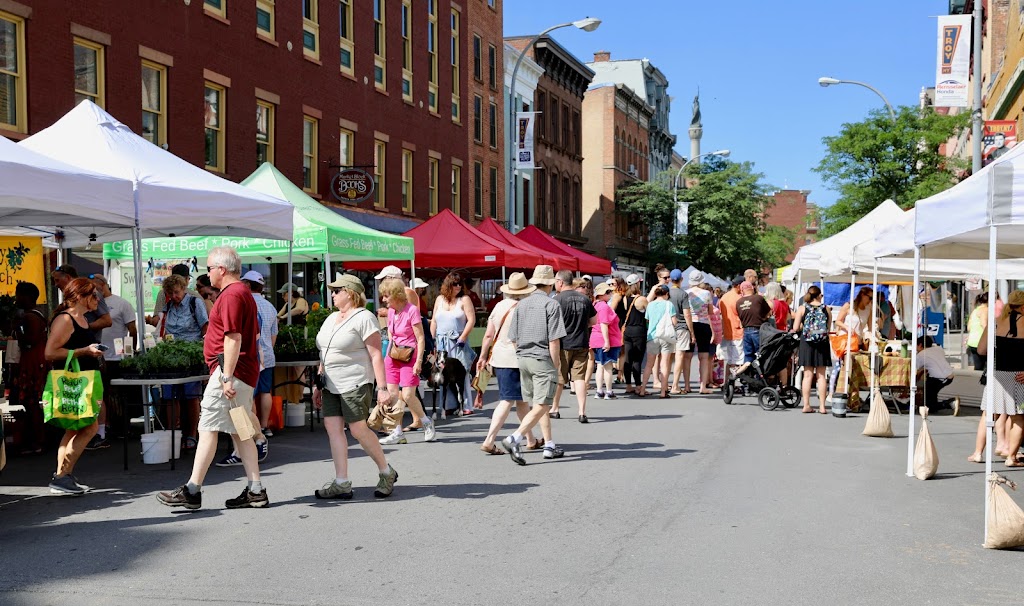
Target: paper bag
(482,378)
(879,424)
(1005,518)
(385,417)
(242,421)
(926,458)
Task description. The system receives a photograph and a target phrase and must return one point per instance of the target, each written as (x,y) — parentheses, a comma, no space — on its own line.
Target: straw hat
(348,281)
(602,289)
(518,285)
(543,275)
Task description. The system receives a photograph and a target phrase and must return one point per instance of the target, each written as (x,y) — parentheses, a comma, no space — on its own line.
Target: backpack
(815,328)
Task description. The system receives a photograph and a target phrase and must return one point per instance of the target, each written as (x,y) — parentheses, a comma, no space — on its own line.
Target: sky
(757,66)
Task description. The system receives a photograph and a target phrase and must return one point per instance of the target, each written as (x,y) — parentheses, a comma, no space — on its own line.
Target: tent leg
(849,335)
(288,278)
(502,274)
(991,365)
(327,278)
(916,315)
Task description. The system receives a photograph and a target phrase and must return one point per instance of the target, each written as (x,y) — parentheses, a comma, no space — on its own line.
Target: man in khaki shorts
(536,329)
(578,316)
(231,350)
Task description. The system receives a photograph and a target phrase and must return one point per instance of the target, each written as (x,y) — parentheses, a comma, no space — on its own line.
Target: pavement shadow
(611,451)
(408,492)
(633,418)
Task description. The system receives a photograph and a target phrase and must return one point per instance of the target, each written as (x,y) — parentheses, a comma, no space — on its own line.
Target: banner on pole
(524,140)
(22,261)
(953,69)
(997,137)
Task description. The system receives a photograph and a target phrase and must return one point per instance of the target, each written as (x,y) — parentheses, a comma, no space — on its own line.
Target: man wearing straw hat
(536,330)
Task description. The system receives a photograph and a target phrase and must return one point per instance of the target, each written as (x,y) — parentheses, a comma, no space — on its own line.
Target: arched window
(553,203)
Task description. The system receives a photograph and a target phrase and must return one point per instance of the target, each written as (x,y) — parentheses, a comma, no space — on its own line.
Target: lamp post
(825,82)
(587,24)
(682,212)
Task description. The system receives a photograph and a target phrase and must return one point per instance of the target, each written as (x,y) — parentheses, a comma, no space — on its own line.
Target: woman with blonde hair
(1006,383)
(404,360)
(453,320)
(620,290)
(634,338)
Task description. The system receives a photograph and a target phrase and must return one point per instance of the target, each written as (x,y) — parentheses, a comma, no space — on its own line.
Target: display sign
(997,138)
(21,260)
(352,185)
(952,72)
(524,140)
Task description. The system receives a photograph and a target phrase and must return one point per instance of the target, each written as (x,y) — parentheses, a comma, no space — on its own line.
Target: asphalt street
(677,501)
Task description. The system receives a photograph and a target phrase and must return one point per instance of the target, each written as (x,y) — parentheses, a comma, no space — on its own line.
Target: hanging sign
(352,185)
(21,260)
(952,72)
(524,140)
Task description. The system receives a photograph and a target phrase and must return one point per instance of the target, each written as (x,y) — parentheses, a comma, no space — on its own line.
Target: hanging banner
(953,69)
(524,139)
(21,260)
(997,137)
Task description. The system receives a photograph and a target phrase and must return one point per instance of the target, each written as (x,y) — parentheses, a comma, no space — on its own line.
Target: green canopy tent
(320,235)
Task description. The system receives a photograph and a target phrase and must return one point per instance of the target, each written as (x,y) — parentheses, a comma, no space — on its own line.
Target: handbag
(665,331)
(400,352)
(72,397)
(483,377)
(839,344)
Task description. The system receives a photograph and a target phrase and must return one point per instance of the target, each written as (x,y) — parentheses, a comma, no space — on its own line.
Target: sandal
(1014,463)
(493,450)
(537,445)
(189,443)
(976,458)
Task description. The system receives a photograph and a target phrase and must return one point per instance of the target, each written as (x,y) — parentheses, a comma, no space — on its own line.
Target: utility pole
(976,121)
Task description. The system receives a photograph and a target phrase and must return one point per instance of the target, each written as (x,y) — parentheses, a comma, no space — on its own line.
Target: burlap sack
(1005,517)
(879,424)
(926,458)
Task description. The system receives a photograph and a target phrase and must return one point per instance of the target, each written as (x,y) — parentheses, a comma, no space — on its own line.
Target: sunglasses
(335,291)
(210,268)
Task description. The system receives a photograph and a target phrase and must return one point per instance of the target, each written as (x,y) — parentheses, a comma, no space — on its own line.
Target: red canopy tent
(445,240)
(588,263)
(491,228)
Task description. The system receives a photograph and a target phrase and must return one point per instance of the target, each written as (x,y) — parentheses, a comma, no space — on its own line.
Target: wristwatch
(225,378)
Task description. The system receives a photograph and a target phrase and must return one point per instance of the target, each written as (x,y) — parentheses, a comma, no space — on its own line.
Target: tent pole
(849,335)
(327,278)
(140,313)
(915,314)
(288,278)
(873,348)
(990,367)
(502,274)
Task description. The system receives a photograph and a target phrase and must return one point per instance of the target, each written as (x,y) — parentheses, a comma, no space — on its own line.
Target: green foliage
(315,319)
(292,340)
(871,161)
(167,356)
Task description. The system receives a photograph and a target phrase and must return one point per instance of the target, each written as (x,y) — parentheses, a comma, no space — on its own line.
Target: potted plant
(170,359)
(293,344)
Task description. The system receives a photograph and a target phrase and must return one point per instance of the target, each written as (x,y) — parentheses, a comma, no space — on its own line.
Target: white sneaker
(395,437)
(429,433)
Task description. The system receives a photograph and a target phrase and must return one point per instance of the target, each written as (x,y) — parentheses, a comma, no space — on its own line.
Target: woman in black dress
(634,339)
(69,332)
(815,353)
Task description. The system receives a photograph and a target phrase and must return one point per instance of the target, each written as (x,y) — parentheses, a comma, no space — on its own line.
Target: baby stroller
(762,376)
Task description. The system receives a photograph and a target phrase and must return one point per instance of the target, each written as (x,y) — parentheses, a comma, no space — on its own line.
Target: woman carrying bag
(404,360)
(69,338)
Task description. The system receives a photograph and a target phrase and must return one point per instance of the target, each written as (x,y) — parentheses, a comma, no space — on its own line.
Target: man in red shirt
(732,329)
(231,350)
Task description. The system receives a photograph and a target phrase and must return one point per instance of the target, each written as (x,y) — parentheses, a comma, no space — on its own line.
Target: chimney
(602,56)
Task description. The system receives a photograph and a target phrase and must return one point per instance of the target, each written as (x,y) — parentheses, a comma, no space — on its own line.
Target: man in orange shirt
(732,329)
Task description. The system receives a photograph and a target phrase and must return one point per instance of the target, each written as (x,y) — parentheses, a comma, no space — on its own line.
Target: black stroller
(762,376)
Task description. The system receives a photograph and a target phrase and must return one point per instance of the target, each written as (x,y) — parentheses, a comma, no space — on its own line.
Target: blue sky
(757,65)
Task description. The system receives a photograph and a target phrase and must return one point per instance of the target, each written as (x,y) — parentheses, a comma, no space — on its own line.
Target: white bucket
(294,415)
(165,438)
(154,449)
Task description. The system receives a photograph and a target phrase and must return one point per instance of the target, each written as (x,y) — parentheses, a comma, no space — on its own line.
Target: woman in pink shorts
(404,359)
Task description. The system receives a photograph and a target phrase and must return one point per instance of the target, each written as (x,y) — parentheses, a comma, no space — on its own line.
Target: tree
(871,161)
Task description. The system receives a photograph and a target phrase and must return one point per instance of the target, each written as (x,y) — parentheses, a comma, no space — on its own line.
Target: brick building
(557,205)
(792,210)
(615,135)
(227,84)
(486,128)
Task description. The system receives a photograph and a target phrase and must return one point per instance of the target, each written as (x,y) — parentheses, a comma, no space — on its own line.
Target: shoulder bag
(483,377)
(400,353)
(625,320)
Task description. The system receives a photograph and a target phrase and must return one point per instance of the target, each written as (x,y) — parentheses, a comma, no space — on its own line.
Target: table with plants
(296,348)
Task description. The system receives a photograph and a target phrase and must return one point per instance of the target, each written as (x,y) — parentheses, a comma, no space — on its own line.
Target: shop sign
(352,185)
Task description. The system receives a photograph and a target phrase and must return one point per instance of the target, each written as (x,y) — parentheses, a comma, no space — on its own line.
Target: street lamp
(587,24)
(682,210)
(825,82)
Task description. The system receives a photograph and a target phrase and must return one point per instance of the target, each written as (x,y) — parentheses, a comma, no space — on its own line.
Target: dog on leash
(447,373)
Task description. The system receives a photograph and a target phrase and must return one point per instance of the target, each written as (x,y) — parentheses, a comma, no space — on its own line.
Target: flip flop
(822,412)
(412,428)
(1013,464)
(493,450)
(808,411)
(976,459)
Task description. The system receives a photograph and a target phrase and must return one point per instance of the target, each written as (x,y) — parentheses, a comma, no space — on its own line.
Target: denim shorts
(604,357)
(510,387)
(751,343)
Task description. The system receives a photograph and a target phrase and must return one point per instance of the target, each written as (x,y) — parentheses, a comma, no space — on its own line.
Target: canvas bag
(1005,517)
(385,417)
(664,331)
(879,424)
(72,397)
(926,458)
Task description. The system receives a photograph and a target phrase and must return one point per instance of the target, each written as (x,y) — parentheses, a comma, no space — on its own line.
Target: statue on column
(695,121)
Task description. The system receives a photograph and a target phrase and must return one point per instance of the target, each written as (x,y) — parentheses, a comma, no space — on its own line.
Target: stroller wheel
(728,391)
(769,398)
(790,396)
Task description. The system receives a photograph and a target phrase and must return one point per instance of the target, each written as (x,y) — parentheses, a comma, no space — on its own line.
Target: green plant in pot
(169,358)
(294,344)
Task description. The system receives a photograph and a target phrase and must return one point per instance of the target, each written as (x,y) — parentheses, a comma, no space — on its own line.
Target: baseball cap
(288,287)
(254,276)
(348,281)
(417,283)
(391,271)
(632,279)
(676,275)
(737,280)
(587,277)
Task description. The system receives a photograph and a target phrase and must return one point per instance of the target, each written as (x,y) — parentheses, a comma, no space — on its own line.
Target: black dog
(448,374)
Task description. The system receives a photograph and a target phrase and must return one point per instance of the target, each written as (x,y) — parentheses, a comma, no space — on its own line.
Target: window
(406,50)
(13,98)
(494,191)
(345,31)
(456,112)
(567,211)
(457,190)
(540,215)
(380,153)
(310,29)
(346,142)
(213,118)
(527,191)
(577,147)
(154,96)
(477,68)
(310,139)
(554,121)
(216,7)
(541,124)
(380,62)
(478,194)
(492,59)
(492,115)
(432,52)
(566,142)
(264,133)
(265,18)
(490,3)
(89,72)
(432,185)
(553,204)
(407,180)
(477,118)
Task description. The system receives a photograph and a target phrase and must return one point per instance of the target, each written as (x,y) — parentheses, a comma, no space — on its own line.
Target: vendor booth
(491,228)
(588,263)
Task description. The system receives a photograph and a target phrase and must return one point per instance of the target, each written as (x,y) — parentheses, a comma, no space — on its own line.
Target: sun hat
(675,275)
(696,277)
(632,279)
(417,283)
(348,281)
(391,271)
(543,275)
(254,276)
(518,285)
(602,289)
(288,287)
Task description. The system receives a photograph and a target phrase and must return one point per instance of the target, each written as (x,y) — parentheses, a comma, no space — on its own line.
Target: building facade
(615,135)
(228,84)
(486,175)
(557,207)
(519,183)
(791,209)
